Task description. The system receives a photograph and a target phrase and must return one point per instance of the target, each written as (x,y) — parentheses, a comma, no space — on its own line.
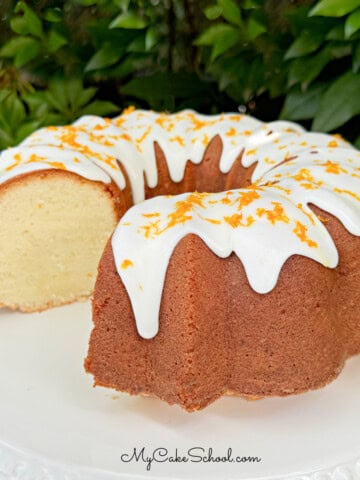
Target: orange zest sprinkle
(126,264)
(59,165)
(348,192)
(253,151)
(236,220)
(304,174)
(338,136)
(165,122)
(36,158)
(197,123)
(17,158)
(269,161)
(178,139)
(333,167)
(311,186)
(277,214)
(205,139)
(128,110)
(125,136)
(183,208)
(231,132)
(322,219)
(151,229)
(282,189)
(301,232)
(119,121)
(212,220)
(333,144)
(99,127)
(246,197)
(151,215)
(300,206)
(236,118)
(142,138)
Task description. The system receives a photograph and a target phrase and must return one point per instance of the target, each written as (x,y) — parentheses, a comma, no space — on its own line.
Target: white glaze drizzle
(264,225)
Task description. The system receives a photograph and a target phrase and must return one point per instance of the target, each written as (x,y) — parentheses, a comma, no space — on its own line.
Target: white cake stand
(54,425)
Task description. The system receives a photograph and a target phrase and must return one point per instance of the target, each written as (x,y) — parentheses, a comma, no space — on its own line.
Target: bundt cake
(253,290)
(238,275)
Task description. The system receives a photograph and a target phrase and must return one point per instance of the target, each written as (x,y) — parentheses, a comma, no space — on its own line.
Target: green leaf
(55,119)
(53,15)
(4,94)
(119,38)
(228,71)
(152,37)
(55,41)
(213,12)
(340,50)
(25,130)
(128,20)
(16,111)
(101,108)
(255,77)
(356,58)
(36,103)
(23,49)
(212,34)
(85,96)
(6,140)
(72,90)
(19,26)
(132,62)
(301,105)
(336,33)
(334,8)
(306,69)
(255,28)
(308,42)
(137,45)
(162,88)
(230,11)
(228,39)
(56,95)
(32,21)
(357,143)
(11,48)
(27,54)
(122,4)
(107,55)
(339,104)
(250,4)
(352,23)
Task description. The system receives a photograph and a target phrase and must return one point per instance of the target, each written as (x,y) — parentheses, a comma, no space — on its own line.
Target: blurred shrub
(293,59)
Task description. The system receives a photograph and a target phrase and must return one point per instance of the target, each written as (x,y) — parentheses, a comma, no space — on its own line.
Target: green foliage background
(297,60)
